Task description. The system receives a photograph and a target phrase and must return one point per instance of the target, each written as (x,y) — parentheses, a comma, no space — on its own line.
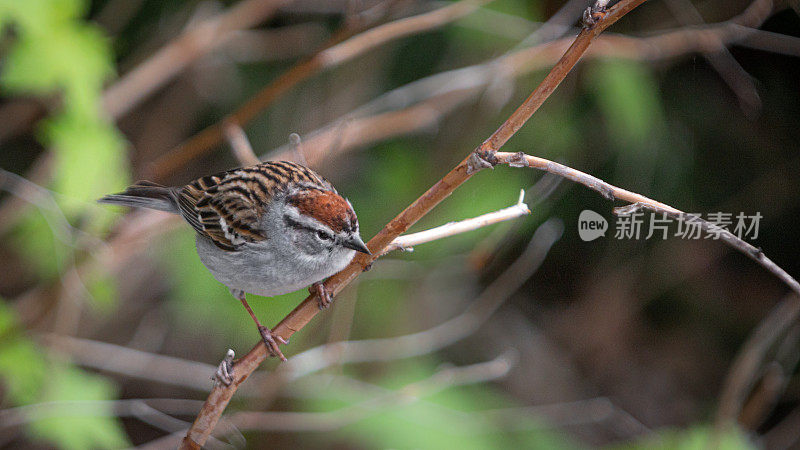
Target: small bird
(266,229)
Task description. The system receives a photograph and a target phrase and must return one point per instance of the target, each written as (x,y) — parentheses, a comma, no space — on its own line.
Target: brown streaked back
(226,207)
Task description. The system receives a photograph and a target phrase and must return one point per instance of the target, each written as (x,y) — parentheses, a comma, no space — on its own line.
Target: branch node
(627,210)
(607,192)
(481,159)
(518,160)
(594,14)
(224,373)
(297,147)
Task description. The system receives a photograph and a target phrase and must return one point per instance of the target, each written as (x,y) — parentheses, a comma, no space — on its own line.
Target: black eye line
(322,234)
(295,224)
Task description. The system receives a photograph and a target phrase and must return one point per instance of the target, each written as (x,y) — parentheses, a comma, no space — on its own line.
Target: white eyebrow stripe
(308,222)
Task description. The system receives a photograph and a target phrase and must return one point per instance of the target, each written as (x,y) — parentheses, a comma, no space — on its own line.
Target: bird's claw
(324,297)
(271,340)
(224,373)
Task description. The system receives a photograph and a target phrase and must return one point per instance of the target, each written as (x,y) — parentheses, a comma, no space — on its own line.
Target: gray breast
(259,269)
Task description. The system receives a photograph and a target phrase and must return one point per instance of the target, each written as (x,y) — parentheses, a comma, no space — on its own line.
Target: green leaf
(697,438)
(22,367)
(90,158)
(75,429)
(55,52)
(448,419)
(33,238)
(30,378)
(38,16)
(73,58)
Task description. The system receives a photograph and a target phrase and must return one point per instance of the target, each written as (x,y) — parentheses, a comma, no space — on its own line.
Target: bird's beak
(356,244)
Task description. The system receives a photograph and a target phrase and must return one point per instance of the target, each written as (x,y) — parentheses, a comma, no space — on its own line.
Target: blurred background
(520,334)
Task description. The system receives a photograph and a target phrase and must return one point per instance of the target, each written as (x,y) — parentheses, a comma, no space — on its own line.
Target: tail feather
(145,194)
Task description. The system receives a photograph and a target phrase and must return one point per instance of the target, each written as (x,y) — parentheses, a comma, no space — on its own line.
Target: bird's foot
(324,297)
(224,373)
(271,340)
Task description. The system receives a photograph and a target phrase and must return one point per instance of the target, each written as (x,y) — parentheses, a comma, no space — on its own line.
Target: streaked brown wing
(226,207)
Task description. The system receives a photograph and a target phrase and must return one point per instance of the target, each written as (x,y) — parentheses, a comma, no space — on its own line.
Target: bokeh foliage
(611,118)
(59,56)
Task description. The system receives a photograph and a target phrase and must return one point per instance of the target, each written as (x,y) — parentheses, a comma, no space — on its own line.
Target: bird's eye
(324,236)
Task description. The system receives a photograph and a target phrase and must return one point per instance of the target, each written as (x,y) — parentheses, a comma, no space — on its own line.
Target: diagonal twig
(756,254)
(193,43)
(408,241)
(220,395)
(331,56)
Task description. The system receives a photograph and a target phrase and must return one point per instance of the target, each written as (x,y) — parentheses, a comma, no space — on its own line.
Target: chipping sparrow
(266,229)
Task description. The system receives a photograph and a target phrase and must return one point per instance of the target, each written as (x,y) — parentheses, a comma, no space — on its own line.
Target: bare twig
(120,408)
(408,241)
(751,357)
(380,400)
(419,105)
(439,94)
(173,58)
(133,363)
(441,335)
(721,60)
(741,376)
(756,254)
(15,204)
(444,379)
(332,56)
(180,372)
(300,316)
(784,435)
(240,145)
(607,190)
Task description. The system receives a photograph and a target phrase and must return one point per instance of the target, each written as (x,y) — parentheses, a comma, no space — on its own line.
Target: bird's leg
(324,297)
(225,369)
(270,340)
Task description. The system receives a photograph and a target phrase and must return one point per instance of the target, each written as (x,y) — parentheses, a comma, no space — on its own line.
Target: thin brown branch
(240,145)
(441,335)
(220,396)
(751,357)
(12,207)
(378,400)
(439,94)
(745,367)
(333,55)
(350,133)
(756,254)
(184,373)
(732,73)
(433,104)
(173,58)
(606,190)
(411,393)
(132,363)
